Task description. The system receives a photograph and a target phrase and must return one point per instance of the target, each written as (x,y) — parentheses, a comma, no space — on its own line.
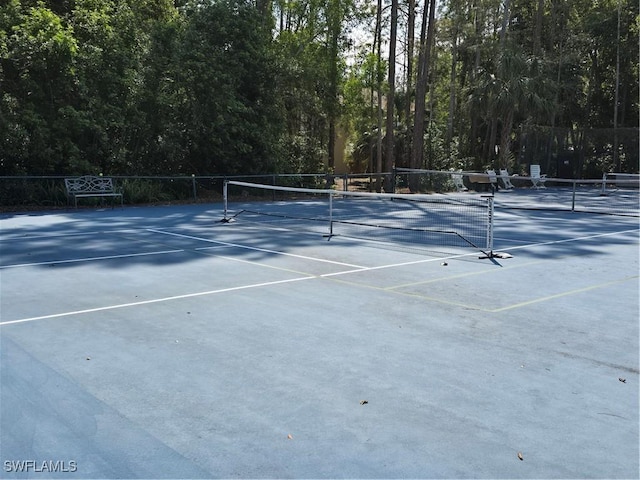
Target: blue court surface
(159,342)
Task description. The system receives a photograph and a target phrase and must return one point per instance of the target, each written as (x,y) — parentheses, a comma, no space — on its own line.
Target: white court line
(155,300)
(355,268)
(452,257)
(257,249)
(89,259)
(400,264)
(565,240)
(309,277)
(14,237)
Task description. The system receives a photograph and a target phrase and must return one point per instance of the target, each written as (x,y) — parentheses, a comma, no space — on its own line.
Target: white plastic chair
(493,179)
(458,181)
(504,176)
(537,179)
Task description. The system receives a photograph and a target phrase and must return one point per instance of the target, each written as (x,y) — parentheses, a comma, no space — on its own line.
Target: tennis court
(160,342)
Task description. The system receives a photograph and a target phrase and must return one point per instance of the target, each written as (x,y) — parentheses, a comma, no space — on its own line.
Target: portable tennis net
(417,220)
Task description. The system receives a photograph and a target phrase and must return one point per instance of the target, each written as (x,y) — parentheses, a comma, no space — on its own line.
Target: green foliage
(148,191)
(237,86)
(37,64)
(299,154)
(30,192)
(359,118)
(225,102)
(136,86)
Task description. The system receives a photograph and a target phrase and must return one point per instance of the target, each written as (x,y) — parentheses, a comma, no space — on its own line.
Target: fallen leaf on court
(623,380)
(520,456)
(363,402)
(289,437)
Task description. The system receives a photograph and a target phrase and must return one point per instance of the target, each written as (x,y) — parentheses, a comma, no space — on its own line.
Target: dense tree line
(257,86)
(137,86)
(507,83)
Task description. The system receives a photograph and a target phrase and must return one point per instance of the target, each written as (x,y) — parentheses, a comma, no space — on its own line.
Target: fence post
(193,182)
(273,192)
(330,214)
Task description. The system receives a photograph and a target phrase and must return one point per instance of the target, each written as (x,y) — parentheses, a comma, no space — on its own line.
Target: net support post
(225,201)
(330,215)
(490,224)
(489,248)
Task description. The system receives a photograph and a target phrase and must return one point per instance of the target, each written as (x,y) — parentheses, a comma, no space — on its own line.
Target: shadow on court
(158,342)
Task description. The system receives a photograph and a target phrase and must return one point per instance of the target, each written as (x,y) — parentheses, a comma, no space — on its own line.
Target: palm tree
(518,88)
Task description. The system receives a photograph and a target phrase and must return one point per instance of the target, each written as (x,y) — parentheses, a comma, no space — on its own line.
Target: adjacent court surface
(159,342)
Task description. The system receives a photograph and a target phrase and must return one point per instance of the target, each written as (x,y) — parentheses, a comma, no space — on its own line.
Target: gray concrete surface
(159,343)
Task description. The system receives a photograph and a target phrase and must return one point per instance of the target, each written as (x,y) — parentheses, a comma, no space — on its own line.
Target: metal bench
(90,186)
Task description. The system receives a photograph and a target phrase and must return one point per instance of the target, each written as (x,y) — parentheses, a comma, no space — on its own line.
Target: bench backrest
(89,184)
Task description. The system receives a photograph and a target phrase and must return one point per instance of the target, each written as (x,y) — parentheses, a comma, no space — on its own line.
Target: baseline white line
(566,240)
(89,259)
(257,249)
(155,300)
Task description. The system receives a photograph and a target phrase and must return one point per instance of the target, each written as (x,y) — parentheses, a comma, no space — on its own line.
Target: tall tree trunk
(554,113)
(390,130)
(421,89)
(505,139)
(490,139)
(452,89)
(505,24)
(411,22)
(537,33)
(616,156)
(473,137)
(379,88)
(426,34)
(494,119)
(334,19)
(333,97)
